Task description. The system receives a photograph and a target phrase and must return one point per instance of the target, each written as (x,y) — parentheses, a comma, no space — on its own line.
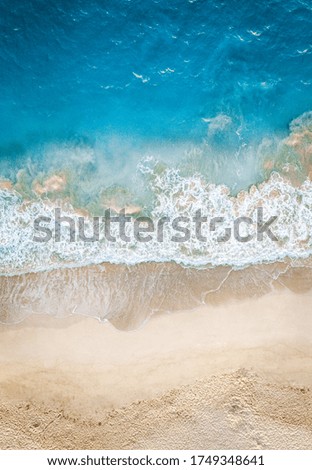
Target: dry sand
(235,375)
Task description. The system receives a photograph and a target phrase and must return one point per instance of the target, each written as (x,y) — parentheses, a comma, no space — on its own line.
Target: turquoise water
(138,72)
(118,103)
(151,69)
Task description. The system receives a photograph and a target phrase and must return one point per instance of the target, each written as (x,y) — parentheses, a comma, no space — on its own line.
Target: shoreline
(207,375)
(127,296)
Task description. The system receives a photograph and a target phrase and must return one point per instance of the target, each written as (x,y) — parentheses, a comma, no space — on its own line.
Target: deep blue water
(151,69)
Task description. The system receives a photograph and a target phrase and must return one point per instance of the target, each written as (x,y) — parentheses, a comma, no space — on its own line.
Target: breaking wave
(160,190)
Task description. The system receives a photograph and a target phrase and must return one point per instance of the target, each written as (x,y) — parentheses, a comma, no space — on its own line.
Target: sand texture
(235,375)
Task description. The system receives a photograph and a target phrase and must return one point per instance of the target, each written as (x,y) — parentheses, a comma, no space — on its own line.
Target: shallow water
(127,296)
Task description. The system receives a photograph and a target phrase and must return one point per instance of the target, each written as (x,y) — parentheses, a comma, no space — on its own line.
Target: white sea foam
(175,196)
(175,189)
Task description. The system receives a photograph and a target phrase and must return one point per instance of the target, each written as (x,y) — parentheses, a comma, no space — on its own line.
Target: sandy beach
(233,375)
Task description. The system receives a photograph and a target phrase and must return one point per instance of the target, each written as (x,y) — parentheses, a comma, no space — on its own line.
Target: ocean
(159,109)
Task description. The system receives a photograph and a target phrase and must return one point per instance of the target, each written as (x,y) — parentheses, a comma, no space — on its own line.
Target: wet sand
(232,375)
